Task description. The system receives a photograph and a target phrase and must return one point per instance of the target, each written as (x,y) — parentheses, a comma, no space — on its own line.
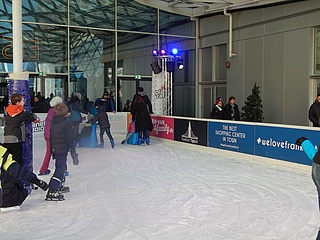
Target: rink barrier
(275,141)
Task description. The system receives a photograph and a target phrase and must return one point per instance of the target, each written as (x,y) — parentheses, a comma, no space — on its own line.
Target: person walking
(314,112)
(231,110)
(104,124)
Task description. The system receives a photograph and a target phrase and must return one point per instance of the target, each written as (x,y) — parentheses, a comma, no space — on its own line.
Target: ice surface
(170,191)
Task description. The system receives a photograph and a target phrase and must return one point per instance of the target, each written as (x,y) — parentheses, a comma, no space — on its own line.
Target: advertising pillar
(19,84)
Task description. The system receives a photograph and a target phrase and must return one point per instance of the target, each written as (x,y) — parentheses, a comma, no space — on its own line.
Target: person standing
(106,102)
(14,129)
(142,119)
(45,164)
(62,141)
(314,112)
(231,110)
(144,99)
(217,110)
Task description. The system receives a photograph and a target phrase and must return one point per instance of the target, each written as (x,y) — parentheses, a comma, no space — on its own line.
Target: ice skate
(9,209)
(148,141)
(45,173)
(101,145)
(54,195)
(123,141)
(64,189)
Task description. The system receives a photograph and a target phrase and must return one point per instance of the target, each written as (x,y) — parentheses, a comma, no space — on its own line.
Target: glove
(75,158)
(300,140)
(41,184)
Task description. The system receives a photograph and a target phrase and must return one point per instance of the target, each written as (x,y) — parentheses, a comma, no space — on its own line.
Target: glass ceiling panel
(92,13)
(133,16)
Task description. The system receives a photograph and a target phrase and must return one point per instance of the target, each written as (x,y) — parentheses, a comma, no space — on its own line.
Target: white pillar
(17,35)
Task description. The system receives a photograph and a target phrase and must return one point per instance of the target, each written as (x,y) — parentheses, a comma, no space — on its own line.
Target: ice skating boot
(112,143)
(64,189)
(123,141)
(54,195)
(139,141)
(148,141)
(101,145)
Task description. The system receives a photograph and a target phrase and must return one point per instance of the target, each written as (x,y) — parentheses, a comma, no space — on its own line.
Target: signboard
(162,127)
(279,143)
(229,136)
(190,131)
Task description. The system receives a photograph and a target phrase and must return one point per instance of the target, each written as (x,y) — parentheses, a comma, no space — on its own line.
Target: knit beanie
(54,101)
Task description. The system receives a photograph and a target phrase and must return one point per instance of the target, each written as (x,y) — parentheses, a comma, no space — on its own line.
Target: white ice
(170,191)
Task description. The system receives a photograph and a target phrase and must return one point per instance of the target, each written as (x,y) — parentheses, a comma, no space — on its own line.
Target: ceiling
(198,8)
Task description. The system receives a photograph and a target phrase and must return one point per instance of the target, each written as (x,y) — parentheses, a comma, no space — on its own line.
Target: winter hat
(217,101)
(78,95)
(54,101)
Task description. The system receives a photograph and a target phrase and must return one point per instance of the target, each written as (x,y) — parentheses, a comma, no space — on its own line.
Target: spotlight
(174,51)
(180,63)
(162,52)
(155,67)
(155,52)
(170,65)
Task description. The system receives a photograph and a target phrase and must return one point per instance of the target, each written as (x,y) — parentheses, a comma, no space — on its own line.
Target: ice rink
(169,191)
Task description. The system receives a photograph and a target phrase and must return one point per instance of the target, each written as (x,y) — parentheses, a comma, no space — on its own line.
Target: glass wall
(317,51)
(93,49)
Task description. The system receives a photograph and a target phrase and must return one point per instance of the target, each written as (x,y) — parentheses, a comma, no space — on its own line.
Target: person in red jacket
(14,129)
(12,190)
(45,164)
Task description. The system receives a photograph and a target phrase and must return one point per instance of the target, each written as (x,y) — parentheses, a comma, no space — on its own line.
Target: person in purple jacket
(45,164)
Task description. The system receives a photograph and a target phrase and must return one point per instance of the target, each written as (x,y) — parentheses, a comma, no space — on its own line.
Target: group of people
(61,134)
(228,112)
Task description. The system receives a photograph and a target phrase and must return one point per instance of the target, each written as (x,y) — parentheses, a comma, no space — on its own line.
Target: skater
(142,119)
(45,164)
(314,155)
(14,129)
(62,141)
(12,191)
(129,133)
(104,124)
(144,98)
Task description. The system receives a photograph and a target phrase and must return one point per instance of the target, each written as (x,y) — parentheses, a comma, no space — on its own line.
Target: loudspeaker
(155,67)
(170,66)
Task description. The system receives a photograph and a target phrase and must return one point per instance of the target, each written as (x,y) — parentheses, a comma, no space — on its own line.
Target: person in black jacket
(145,99)
(231,110)
(12,191)
(14,129)
(314,112)
(104,124)
(62,141)
(142,119)
(217,110)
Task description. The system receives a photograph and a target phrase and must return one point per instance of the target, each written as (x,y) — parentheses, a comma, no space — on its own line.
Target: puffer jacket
(61,135)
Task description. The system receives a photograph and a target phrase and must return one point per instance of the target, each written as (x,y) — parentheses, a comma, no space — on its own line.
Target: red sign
(163,127)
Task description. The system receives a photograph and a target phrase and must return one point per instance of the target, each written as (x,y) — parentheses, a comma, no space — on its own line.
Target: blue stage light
(174,51)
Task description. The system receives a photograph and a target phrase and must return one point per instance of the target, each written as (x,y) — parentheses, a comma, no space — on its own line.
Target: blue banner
(229,136)
(279,143)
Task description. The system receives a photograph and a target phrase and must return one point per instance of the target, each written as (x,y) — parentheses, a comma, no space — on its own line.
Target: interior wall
(274,50)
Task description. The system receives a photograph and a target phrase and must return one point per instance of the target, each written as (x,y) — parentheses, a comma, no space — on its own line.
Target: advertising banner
(190,131)
(279,143)
(229,136)
(157,93)
(163,127)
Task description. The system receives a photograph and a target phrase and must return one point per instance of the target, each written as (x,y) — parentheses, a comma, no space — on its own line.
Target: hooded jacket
(14,130)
